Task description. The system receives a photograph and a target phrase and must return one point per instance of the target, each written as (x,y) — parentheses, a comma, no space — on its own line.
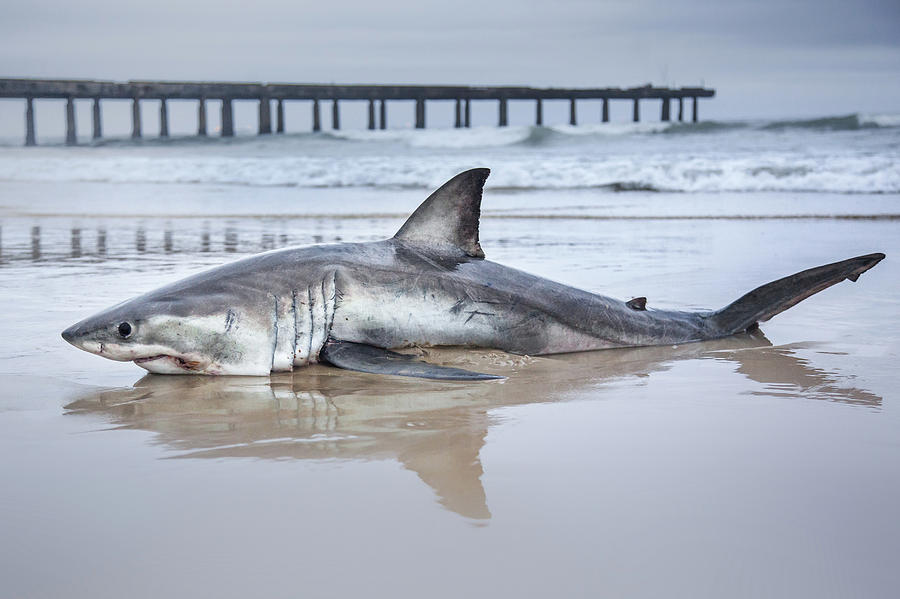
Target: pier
(268,94)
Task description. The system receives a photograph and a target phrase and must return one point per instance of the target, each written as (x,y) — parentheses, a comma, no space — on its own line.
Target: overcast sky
(765,58)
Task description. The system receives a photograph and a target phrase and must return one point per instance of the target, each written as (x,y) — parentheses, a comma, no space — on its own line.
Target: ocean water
(762,465)
(849,154)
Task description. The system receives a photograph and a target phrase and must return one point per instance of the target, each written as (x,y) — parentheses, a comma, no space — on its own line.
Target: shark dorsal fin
(449,217)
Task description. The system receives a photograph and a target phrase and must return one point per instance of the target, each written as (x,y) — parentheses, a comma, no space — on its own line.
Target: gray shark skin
(430,285)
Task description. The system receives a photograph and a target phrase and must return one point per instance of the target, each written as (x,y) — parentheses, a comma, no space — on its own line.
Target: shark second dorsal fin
(449,217)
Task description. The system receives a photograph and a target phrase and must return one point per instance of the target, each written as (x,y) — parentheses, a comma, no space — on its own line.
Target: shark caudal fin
(764,302)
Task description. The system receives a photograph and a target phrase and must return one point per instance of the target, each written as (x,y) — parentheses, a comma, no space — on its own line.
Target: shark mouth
(165,363)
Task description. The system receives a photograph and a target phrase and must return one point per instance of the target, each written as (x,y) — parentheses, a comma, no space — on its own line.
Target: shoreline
(596,464)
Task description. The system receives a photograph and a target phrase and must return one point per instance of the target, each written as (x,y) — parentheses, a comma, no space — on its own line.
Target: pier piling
(95,119)
(29,122)
(135,118)
(71,139)
(163,118)
(420,113)
(227,118)
(316,116)
(201,117)
(265,93)
(265,116)
(279,116)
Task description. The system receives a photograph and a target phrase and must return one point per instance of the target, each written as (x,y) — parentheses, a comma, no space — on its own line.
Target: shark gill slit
(328,302)
(320,321)
(275,329)
(312,322)
(302,329)
(296,327)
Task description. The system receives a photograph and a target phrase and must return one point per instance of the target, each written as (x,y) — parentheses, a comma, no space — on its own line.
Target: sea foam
(835,154)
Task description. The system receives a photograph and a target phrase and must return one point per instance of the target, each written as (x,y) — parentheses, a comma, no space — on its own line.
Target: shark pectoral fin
(375,360)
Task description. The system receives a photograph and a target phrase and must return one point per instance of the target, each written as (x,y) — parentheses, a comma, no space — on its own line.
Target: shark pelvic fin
(375,360)
(449,217)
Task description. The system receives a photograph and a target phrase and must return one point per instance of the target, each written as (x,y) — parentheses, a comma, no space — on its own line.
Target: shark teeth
(180,362)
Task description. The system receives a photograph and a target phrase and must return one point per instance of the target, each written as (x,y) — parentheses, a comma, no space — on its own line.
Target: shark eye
(124,330)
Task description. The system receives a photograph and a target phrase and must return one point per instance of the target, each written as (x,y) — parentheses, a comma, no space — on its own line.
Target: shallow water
(752,466)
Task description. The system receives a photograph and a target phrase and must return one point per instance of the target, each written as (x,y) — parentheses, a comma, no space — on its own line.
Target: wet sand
(763,465)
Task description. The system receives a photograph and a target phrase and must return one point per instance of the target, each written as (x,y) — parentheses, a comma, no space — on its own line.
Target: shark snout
(76,335)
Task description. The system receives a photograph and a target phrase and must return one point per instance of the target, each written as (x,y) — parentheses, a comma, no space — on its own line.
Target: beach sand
(760,465)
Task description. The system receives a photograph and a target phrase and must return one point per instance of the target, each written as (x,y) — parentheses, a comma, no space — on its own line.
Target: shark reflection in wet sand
(436,429)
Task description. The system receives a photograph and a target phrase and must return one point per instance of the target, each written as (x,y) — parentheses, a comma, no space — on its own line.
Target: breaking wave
(634,172)
(705,127)
(522,135)
(850,122)
(710,156)
(540,135)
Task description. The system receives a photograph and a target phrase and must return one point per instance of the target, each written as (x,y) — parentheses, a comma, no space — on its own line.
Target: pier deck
(278,93)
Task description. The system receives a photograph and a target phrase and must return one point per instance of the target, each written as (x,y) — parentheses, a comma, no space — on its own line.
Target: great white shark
(350,304)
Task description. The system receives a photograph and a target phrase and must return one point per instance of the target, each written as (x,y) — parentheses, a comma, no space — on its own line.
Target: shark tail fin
(764,302)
